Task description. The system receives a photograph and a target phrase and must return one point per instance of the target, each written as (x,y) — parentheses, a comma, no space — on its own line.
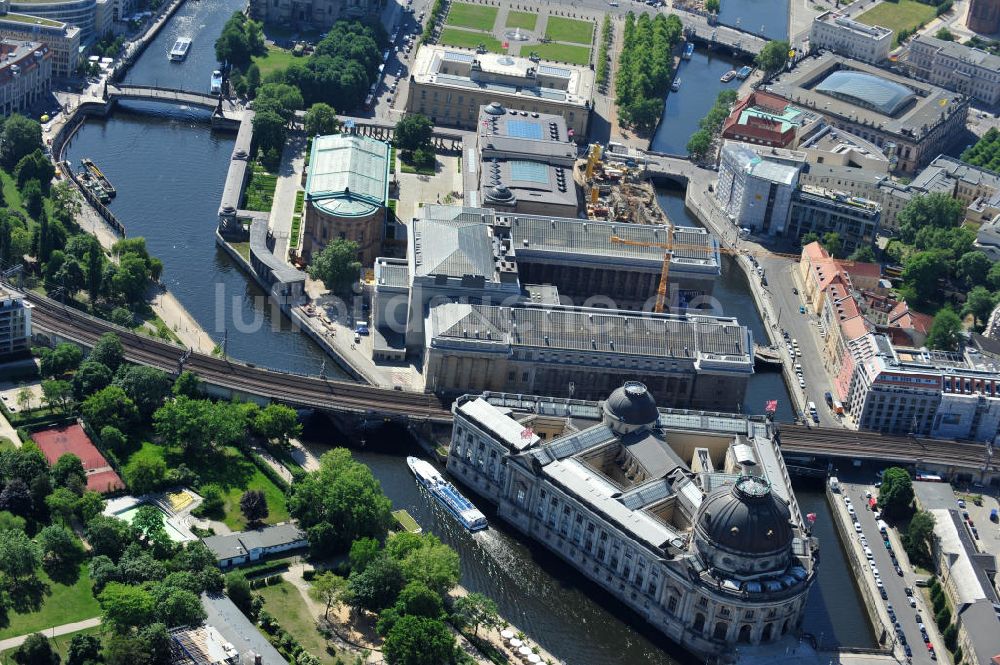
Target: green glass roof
(348,174)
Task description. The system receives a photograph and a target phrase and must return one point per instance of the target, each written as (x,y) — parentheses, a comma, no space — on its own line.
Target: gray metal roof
(348,174)
(603,331)
(455,248)
(226,546)
(392,272)
(222,614)
(272,536)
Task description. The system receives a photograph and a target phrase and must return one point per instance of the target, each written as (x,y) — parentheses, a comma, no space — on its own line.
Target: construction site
(616,189)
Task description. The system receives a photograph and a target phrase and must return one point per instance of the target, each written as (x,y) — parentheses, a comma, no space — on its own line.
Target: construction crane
(670,247)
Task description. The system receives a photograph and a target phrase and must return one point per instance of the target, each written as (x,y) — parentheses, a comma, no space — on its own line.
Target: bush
(943,618)
(958,655)
(269,471)
(951,637)
(120,316)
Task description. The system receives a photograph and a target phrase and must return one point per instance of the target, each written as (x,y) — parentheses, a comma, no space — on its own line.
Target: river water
(169,168)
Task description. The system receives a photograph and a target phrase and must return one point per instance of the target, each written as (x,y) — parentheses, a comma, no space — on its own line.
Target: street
(895,586)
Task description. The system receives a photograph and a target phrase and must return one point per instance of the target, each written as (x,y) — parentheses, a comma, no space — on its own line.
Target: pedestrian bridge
(154,94)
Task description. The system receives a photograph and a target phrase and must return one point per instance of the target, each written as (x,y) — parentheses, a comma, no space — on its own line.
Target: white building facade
(840,34)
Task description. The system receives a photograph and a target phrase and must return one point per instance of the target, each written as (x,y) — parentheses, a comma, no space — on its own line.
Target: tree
(31,196)
(36,650)
(712,6)
(148,521)
(416,640)
(773,56)
(61,550)
(187,384)
(126,606)
(277,422)
(944,34)
(699,144)
(921,273)
(936,210)
(863,254)
(89,378)
(146,386)
(177,607)
(433,563)
(238,590)
(16,498)
(919,536)
(35,166)
(329,589)
(269,129)
(645,113)
(321,119)
(973,268)
(413,132)
(64,358)
(377,586)
(337,266)
(477,610)
(980,303)
(241,39)
(24,397)
(68,471)
(95,271)
(253,505)
(109,536)
(113,439)
(11,522)
(84,649)
(108,351)
(19,555)
(58,395)
(363,552)
(21,136)
(416,598)
(896,493)
(89,505)
(187,423)
(62,503)
(110,406)
(946,331)
(833,243)
(145,474)
(343,495)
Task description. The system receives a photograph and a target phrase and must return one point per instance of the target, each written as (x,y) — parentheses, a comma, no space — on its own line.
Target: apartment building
(25,74)
(970,71)
(62,39)
(15,323)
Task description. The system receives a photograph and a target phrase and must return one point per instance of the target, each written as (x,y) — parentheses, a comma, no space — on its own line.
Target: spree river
(169,168)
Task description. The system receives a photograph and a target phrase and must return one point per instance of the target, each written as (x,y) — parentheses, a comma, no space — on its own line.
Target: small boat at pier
(744,72)
(728,76)
(91,184)
(688,51)
(676,85)
(216,82)
(447,495)
(180,49)
(99,176)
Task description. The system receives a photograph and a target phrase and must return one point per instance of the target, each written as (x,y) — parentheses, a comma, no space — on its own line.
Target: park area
(276,59)
(65,601)
(523,20)
(898,16)
(560,29)
(477,17)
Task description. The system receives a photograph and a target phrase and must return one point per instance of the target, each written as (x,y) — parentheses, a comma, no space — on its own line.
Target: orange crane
(670,247)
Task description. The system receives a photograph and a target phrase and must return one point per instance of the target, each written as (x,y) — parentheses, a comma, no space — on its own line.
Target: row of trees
(701,141)
(986,151)
(645,68)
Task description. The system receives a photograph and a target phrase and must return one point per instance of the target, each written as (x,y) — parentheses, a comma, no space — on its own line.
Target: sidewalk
(65,629)
(180,322)
(289,179)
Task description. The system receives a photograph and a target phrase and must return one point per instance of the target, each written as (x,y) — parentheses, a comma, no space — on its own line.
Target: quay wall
(860,569)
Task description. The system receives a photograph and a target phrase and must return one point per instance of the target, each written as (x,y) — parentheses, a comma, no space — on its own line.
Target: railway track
(338,395)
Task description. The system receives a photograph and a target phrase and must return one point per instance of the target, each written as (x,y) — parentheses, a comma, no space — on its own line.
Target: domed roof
(499,194)
(745,518)
(495,108)
(631,405)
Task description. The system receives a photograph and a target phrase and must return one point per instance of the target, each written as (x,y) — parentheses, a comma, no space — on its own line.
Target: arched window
(784,627)
(766,635)
(699,623)
(721,628)
(745,633)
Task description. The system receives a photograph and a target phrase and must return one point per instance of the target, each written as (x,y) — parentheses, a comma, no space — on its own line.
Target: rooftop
(34,20)
(849,24)
(752,163)
(862,204)
(348,174)
(973,56)
(893,104)
(940,176)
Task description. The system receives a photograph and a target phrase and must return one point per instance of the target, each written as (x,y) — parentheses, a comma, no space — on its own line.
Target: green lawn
(234,472)
(60,644)
(63,604)
(523,20)
(468,39)
(577,55)
(902,15)
(561,29)
(276,58)
(260,189)
(284,602)
(477,17)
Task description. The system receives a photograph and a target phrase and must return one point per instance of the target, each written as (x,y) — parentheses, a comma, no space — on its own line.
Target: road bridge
(148,93)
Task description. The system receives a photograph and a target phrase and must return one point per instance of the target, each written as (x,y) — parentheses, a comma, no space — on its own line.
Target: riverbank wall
(860,569)
(138,47)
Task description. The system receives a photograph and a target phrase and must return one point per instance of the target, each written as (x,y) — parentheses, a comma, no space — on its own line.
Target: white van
(882,526)
(812,407)
(869,553)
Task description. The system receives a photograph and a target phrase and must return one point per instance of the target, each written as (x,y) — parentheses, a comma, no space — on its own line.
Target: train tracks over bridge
(242,379)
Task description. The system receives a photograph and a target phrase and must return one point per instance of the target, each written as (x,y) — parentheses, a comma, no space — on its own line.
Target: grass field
(902,15)
(468,39)
(477,17)
(577,55)
(561,29)
(523,20)
(60,644)
(260,189)
(284,602)
(64,604)
(276,58)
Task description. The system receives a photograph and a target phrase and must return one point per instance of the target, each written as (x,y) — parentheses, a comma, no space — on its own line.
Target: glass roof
(867,90)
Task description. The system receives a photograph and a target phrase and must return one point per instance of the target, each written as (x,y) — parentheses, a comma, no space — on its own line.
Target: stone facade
(951,65)
(25,74)
(843,35)
(650,507)
(62,39)
(311,14)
